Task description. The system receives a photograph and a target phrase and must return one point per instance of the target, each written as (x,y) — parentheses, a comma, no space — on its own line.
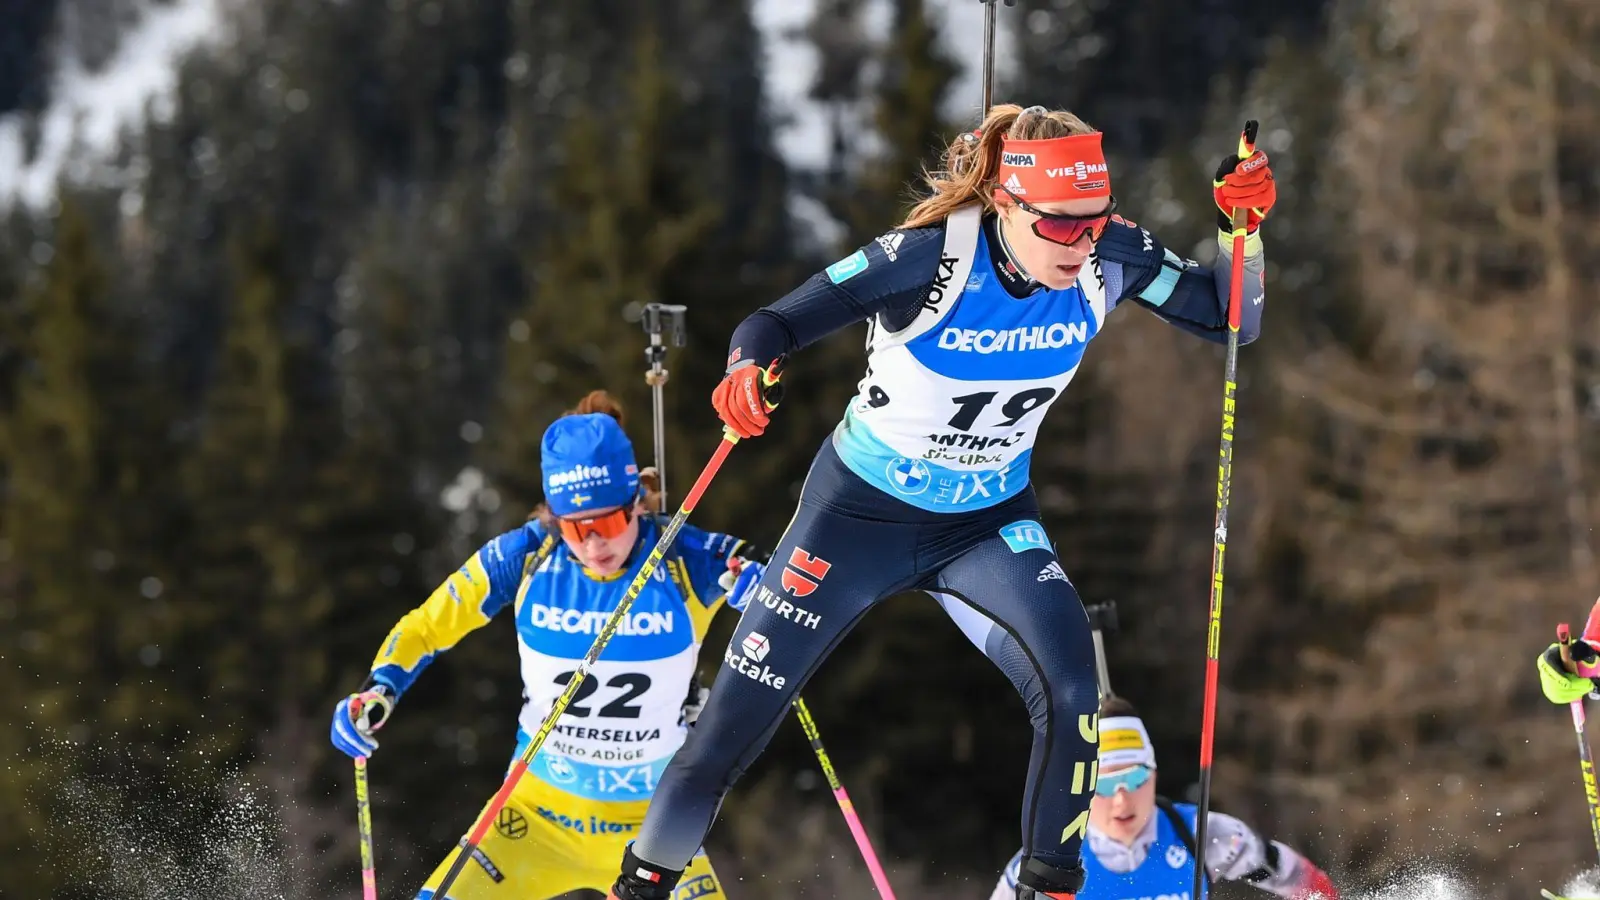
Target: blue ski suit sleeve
(1180,291)
(867,283)
(486,584)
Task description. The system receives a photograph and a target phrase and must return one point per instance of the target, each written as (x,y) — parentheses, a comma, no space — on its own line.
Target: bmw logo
(560,770)
(909,476)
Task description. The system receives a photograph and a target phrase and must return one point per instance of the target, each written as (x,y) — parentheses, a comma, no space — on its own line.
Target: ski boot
(1041,881)
(641,880)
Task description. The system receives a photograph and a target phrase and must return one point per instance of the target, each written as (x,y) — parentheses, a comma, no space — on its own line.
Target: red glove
(1244,180)
(745,397)
(1314,883)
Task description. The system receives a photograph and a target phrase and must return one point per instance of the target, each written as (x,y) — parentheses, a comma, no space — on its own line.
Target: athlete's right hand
(356,717)
(1561,686)
(745,397)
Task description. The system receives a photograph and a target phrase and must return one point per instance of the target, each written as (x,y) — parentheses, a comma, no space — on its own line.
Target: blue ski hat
(587,461)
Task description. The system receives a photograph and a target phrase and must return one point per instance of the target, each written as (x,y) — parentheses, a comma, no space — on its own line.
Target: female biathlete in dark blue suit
(980,306)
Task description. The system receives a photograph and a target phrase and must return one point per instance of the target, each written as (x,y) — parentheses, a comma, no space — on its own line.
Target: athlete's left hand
(739,582)
(1244,179)
(1560,686)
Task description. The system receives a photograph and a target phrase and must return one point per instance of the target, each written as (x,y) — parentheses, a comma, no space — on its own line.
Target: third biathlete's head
(1043,173)
(592,484)
(1125,795)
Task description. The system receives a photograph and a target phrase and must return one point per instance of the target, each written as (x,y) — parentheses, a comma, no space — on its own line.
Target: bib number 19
(969,407)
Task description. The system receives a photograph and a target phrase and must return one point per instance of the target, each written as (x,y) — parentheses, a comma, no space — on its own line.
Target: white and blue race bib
(947,415)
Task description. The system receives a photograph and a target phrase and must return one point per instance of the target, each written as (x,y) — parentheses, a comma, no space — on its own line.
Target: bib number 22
(632,685)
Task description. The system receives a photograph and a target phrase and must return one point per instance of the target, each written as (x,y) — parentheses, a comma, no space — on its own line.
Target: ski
(1549,896)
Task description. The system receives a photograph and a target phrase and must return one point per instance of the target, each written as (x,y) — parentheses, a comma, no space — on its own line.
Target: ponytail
(598,401)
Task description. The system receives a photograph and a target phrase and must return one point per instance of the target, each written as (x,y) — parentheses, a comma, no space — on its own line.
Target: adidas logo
(891,245)
(1052,572)
(1014,185)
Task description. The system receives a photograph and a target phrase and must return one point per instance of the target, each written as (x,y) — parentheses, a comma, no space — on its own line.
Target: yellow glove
(1561,686)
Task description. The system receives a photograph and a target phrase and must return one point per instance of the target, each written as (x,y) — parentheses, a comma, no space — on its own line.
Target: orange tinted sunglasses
(606,525)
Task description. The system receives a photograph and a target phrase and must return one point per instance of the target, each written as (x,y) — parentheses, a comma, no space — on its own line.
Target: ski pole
(364,705)
(1102,619)
(1219,535)
(989,17)
(1585,761)
(369,879)
(470,844)
(656,318)
(857,830)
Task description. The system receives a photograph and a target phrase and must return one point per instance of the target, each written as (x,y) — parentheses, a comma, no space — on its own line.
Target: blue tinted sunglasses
(1129,780)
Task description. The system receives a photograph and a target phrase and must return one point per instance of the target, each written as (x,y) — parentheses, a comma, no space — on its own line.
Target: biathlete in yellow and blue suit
(564,827)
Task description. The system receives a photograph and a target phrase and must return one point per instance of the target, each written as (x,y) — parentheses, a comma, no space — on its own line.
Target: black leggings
(849,546)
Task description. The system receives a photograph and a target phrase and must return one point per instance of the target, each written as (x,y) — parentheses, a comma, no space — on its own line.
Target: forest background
(275,356)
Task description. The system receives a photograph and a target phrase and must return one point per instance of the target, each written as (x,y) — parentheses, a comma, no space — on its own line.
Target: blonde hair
(600,401)
(972,162)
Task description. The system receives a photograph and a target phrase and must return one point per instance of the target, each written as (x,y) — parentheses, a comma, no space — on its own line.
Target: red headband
(1055,169)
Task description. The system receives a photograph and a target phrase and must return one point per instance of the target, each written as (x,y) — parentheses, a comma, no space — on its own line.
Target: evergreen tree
(251,606)
(50,435)
(81,579)
(875,173)
(630,213)
(662,201)
(294,533)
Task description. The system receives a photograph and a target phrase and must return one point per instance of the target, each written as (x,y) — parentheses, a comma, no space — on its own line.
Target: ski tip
(1549,896)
